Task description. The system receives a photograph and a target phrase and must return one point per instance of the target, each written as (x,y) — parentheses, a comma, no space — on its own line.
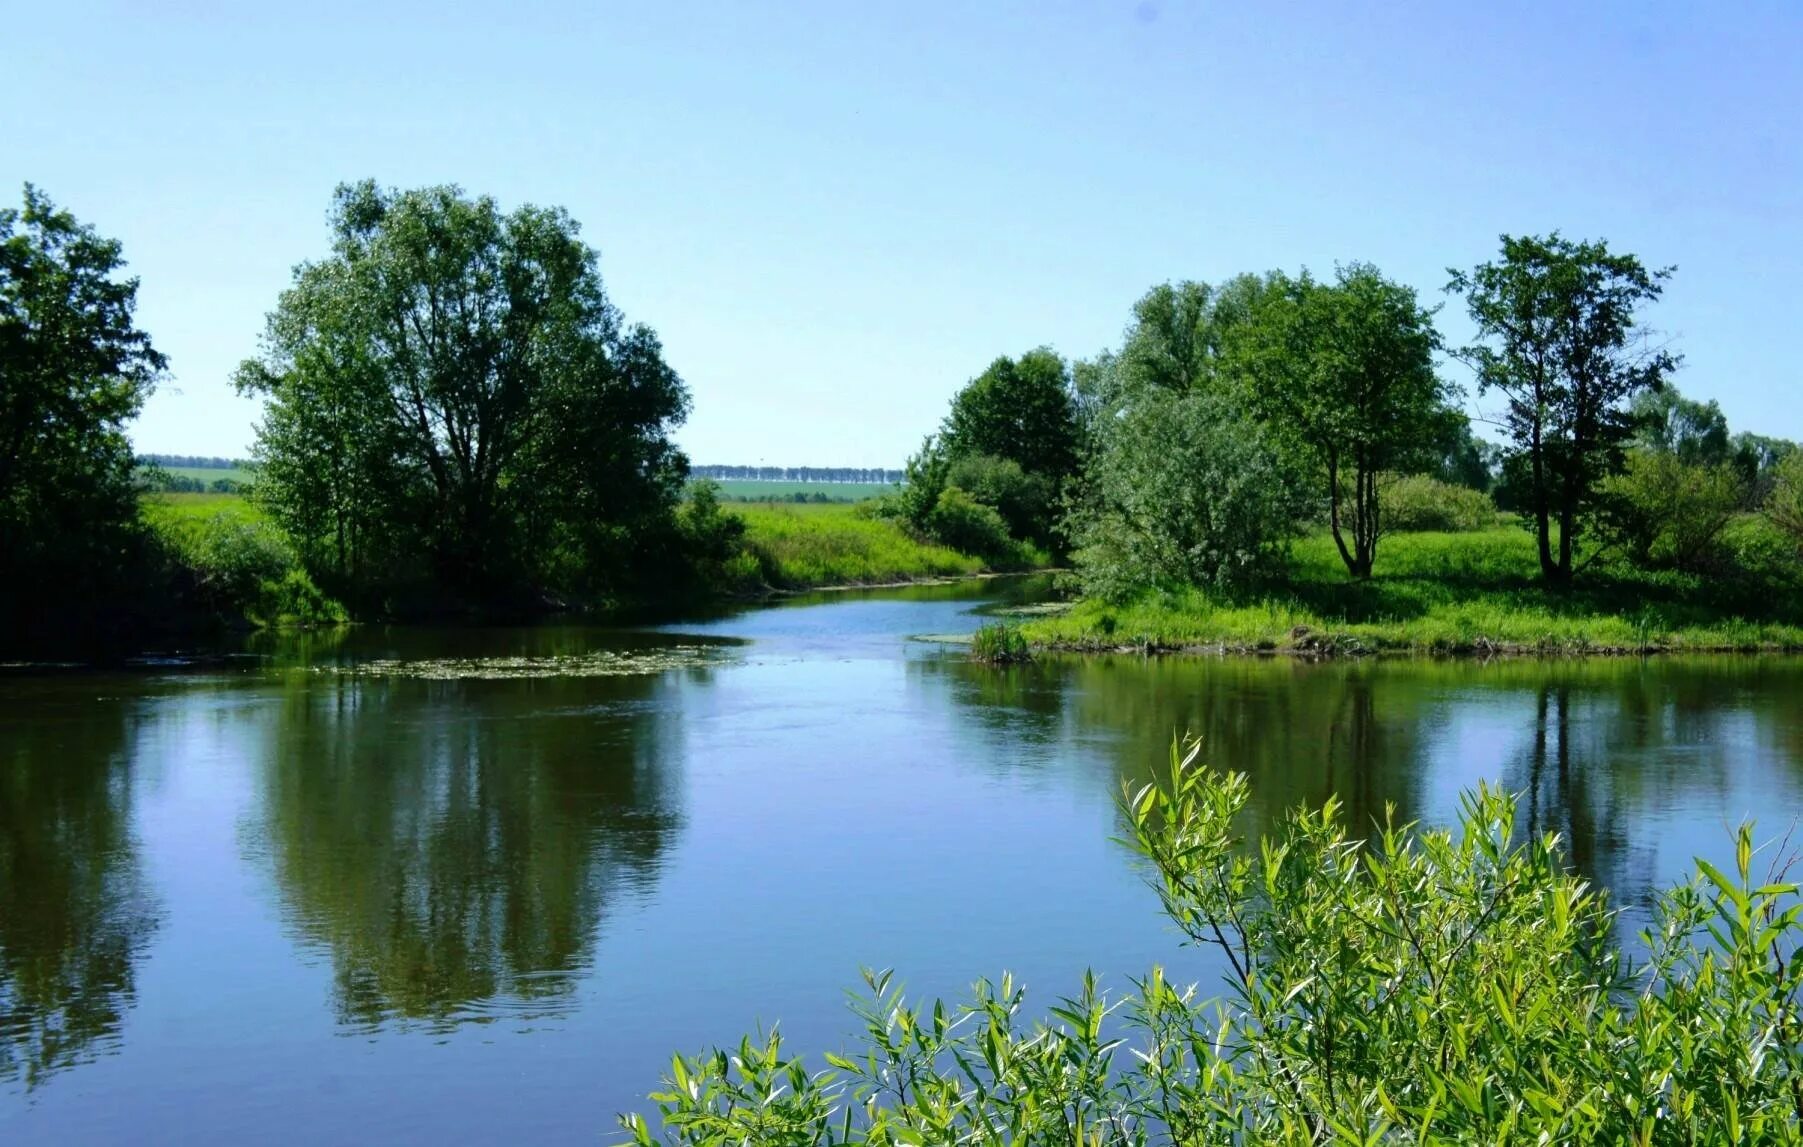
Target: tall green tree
(1021,412)
(1347,368)
(1019,409)
(74,369)
(452,386)
(1559,339)
(1175,340)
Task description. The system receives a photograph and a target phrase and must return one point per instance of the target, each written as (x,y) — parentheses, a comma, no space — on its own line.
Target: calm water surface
(466,886)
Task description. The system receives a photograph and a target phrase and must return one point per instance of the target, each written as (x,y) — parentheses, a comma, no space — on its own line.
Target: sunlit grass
(1449,593)
(813,545)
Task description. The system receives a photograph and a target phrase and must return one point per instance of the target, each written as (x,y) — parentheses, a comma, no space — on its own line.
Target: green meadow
(1451,593)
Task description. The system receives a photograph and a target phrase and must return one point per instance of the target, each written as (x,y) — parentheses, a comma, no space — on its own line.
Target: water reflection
(75,915)
(1638,765)
(454,845)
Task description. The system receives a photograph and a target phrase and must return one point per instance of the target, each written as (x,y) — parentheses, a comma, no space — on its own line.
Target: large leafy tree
(1013,439)
(450,391)
(1175,341)
(1347,369)
(74,368)
(1559,339)
(1021,410)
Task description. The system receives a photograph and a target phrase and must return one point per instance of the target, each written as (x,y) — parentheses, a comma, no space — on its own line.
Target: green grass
(759,490)
(1457,593)
(814,545)
(160,509)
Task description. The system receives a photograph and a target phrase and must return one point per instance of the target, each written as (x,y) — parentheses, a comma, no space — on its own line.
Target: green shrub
(1667,513)
(1784,505)
(1025,501)
(967,525)
(1429,987)
(713,542)
(1185,489)
(238,564)
(1417,503)
(293,600)
(999,644)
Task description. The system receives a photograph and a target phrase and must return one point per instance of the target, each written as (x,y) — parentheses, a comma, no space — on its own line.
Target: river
(476,885)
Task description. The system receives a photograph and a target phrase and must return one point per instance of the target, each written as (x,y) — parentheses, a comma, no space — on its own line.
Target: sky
(835,214)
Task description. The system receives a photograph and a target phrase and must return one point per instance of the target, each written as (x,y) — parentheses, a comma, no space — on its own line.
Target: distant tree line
(857,474)
(193,461)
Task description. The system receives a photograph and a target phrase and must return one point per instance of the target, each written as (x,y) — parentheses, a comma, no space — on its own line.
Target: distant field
(209,474)
(758,490)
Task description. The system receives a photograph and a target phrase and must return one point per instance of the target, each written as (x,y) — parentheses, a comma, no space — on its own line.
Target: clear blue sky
(834,214)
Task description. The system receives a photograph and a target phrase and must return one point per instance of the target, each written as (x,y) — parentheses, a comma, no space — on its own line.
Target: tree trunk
(1333,501)
(1549,570)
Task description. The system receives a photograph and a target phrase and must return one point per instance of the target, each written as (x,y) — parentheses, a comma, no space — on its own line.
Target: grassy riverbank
(786,546)
(1463,593)
(805,546)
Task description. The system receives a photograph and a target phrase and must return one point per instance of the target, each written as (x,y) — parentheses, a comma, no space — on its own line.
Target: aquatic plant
(1000,643)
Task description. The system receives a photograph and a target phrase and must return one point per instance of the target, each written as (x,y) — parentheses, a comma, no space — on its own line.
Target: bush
(967,525)
(1784,505)
(713,542)
(241,567)
(1417,503)
(293,600)
(1025,501)
(1666,513)
(1428,987)
(1185,489)
(999,644)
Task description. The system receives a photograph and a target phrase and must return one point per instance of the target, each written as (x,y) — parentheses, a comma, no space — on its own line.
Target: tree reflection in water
(75,915)
(454,845)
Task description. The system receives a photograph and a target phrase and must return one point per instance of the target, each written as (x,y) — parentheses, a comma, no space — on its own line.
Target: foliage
(1460,457)
(1667,513)
(924,477)
(73,370)
(1758,457)
(1020,410)
(234,564)
(1174,343)
(1433,985)
(1559,339)
(999,643)
(1666,421)
(714,542)
(1348,369)
(1026,501)
(1784,506)
(967,525)
(450,390)
(1468,593)
(1416,503)
(1183,489)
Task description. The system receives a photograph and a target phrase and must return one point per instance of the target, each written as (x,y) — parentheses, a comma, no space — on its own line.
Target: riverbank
(785,549)
(1467,594)
(823,546)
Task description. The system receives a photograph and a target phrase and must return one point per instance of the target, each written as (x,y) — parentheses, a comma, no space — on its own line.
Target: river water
(477,885)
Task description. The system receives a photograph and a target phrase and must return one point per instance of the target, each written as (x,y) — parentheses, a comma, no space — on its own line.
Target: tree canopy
(1347,369)
(1558,337)
(451,396)
(74,368)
